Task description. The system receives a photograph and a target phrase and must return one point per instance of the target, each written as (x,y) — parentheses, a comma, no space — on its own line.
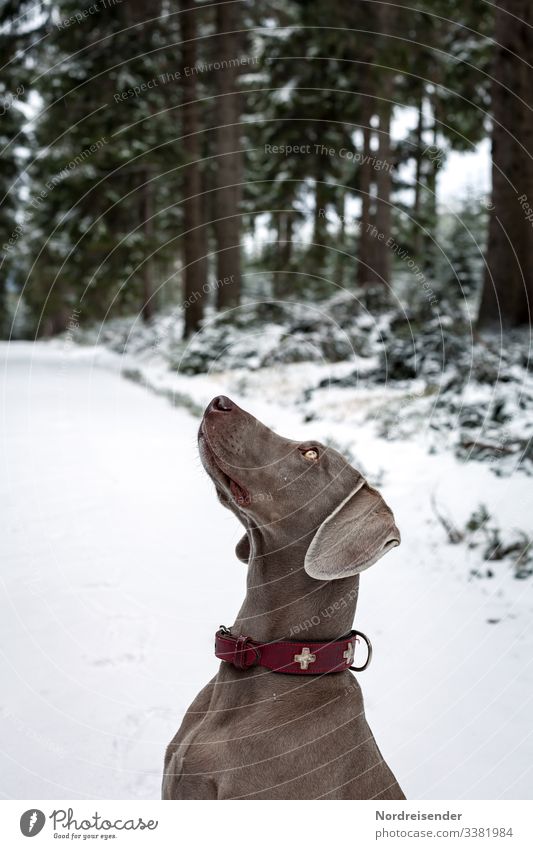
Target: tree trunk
(4,320)
(383,215)
(417,204)
(340,238)
(54,323)
(142,12)
(365,180)
(319,236)
(284,229)
(341,213)
(195,241)
(430,213)
(287,244)
(374,263)
(508,286)
(229,174)
(277,221)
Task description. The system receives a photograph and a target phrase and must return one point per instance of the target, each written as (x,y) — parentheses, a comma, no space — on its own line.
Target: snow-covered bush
(437,377)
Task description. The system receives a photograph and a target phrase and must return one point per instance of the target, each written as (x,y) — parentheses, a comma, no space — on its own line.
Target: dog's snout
(220,404)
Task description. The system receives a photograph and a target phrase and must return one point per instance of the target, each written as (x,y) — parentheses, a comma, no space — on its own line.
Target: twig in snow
(453,533)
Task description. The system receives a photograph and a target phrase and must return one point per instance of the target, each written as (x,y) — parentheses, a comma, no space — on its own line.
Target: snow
(107,563)
(104,568)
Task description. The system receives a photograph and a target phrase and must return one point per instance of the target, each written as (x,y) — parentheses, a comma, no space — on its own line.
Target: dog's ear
(242,549)
(353,537)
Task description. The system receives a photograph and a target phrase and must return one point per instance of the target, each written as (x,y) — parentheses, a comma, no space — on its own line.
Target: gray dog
(312,524)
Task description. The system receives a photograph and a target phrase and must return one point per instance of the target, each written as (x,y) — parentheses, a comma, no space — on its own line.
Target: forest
(323,211)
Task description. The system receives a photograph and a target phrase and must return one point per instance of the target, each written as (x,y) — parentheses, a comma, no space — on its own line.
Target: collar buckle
(244,652)
(368,651)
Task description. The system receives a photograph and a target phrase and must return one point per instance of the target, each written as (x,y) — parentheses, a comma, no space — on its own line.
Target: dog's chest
(273,743)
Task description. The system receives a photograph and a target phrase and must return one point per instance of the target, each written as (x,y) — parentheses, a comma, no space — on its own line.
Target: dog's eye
(310,454)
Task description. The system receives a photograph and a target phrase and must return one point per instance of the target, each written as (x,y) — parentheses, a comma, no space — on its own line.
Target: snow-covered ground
(106,562)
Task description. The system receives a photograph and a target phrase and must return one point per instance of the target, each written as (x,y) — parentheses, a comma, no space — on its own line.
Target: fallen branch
(453,533)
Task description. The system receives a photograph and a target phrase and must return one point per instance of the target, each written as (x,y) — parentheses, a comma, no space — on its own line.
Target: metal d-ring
(369,652)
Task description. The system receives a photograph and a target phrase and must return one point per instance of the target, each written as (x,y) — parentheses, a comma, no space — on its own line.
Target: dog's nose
(221,404)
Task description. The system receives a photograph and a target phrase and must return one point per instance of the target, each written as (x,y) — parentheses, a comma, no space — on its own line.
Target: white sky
(465,173)
(462,173)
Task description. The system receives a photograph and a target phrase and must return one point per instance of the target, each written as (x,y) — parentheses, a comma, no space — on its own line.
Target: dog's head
(298,490)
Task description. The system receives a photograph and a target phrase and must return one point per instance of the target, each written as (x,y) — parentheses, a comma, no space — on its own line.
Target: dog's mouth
(240,495)
(213,466)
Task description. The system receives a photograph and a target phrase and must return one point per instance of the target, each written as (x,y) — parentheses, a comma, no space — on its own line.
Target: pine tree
(299,112)
(444,59)
(17,31)
(508,286)
(195,248)
(230,159)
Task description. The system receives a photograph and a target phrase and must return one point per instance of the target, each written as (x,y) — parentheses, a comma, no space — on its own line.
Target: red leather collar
(295,658)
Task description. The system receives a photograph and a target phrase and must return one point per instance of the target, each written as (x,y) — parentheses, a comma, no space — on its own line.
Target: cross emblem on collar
(349,654)
(305,658)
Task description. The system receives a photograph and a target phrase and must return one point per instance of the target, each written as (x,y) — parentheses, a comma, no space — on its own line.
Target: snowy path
(105,564)
(99,489)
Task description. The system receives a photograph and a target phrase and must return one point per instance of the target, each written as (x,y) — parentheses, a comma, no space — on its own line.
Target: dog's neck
(283,602)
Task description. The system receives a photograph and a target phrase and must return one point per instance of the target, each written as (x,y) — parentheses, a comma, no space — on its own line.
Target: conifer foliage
(160,153)
(106,183)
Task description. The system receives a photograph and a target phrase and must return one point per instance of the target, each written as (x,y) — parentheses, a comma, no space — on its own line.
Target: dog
(269,725)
